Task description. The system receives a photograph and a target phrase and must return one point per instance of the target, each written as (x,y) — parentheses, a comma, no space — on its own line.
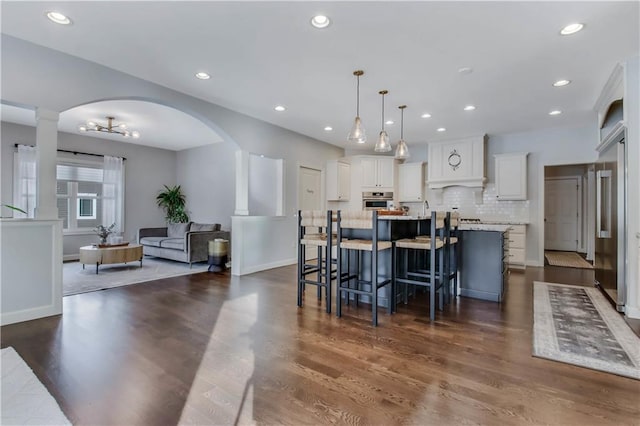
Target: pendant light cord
(383,112)
(358,96)
(402,123)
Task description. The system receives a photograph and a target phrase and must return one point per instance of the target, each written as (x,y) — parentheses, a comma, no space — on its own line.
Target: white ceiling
(159,126)
(261,54)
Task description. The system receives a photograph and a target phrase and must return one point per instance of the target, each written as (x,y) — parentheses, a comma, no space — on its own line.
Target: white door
(309,197)
(561,214)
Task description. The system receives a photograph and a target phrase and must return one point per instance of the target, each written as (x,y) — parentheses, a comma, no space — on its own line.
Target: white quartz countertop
(483,227)
(503,222)
(402,217)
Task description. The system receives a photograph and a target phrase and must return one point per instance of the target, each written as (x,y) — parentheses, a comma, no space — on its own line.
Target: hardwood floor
(216,349)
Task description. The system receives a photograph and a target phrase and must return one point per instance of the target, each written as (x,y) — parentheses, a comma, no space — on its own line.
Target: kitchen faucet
(425,206)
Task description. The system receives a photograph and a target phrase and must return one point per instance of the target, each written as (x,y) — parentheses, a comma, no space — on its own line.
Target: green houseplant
(173,201)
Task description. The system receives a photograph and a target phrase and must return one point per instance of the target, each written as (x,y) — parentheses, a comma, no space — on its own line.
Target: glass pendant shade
(402,150)
(382,145)
(357,133)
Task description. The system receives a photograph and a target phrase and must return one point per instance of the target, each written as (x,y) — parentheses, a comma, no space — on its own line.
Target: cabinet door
(385,173)
(344,181)
(369,167)
(411,182)
(511,177)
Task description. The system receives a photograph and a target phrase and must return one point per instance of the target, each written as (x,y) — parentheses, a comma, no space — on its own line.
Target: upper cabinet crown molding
(612,91)
(457,163)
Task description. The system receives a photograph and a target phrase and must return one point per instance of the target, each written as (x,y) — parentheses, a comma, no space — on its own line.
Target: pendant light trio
(358,135)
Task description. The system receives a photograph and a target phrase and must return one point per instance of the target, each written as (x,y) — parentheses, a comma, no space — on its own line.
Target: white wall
(207,177)
(146,170)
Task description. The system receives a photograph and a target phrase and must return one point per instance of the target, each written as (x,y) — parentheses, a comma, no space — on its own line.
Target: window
(79,193)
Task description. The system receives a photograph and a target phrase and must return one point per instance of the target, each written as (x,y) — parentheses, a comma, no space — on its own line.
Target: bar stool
(452,247)
(323,240)
(434,277)
(360,220)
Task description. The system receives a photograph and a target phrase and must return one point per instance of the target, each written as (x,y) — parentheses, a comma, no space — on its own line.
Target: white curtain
(113,193)
(24,181)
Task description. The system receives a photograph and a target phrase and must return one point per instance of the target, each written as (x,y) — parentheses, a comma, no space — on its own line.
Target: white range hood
(457,163)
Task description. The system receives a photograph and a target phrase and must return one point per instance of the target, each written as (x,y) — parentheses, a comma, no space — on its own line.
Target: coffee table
(110,255)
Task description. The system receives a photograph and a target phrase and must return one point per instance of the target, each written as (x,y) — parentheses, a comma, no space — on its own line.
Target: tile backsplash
(463,199)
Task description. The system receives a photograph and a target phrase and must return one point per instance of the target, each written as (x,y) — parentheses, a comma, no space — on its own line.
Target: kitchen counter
(483,227)
(482,263)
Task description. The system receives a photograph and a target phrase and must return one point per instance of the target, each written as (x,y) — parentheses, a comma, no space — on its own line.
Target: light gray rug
(25,400)
(577,325)
(77,280)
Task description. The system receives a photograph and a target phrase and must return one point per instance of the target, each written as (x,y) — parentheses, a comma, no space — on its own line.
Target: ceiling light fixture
(402,150)
(571,29)
(465,70)
(119,129)
(382,144)
(469,108)
(357,133)
(555,112)
(203,75)
(320,21)
(389,122)
(58,18)
(279,108)
(561,83)
(441,129)
(426,115)
(328,129)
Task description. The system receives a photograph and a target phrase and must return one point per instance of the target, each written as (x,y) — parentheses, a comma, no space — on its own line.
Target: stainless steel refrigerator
(610,241)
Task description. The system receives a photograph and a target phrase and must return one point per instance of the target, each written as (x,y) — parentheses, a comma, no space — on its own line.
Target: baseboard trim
(632,312)
(30,314)
(264,267)
(68,257)
(534,263)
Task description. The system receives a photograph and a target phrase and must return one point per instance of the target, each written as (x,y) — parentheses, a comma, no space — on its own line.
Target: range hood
(457,163)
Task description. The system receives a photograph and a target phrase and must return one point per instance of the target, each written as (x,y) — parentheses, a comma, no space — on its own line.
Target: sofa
(184,242)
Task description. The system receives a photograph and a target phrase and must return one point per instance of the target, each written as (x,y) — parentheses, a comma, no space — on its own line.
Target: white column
(46,153)
(242,183)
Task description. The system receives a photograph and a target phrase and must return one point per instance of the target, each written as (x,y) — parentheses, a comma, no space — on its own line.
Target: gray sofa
(184,242)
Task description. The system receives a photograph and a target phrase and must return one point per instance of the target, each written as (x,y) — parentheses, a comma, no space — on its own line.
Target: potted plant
(173,201)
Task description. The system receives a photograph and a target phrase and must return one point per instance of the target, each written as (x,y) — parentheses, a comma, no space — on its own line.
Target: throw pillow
(177,230)
(202,227)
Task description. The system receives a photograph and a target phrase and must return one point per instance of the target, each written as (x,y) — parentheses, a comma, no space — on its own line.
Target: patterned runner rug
(567,259)
(578,326)
(25,400)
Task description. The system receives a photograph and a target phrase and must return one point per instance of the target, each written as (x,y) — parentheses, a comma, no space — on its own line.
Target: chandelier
(110,127)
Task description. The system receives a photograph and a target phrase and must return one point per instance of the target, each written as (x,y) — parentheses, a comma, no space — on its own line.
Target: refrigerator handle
(603,203)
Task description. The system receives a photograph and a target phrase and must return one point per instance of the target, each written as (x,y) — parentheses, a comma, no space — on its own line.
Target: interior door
(309,198)
(561,214)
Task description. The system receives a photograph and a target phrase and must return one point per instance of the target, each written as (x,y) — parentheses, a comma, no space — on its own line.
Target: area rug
(578,326)
(25,400)
(567,259)
(77,280)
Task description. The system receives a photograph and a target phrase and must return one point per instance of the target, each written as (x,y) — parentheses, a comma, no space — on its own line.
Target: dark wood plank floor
(216,349)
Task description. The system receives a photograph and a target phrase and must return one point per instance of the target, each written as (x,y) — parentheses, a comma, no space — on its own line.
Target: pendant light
(402,150)
(383,145)
(357,133)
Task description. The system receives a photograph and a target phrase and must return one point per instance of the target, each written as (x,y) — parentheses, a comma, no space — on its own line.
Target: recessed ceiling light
(320,21)
(58,18)
(389,122)
(203,75)
(279,108)
(328,129)
(135,134)
(469,108)
(555,112)
(441,129)
(571,29)
(426,115)
(465,70)
(561,83)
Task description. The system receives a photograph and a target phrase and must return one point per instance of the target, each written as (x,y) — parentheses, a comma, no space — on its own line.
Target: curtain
(113,193)
(24,181)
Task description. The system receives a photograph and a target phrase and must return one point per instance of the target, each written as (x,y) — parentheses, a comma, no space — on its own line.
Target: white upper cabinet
(377,173)
(338,175)
(411,182)
(511,176)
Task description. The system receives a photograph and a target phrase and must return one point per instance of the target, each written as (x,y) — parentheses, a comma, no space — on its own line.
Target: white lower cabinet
(516,246)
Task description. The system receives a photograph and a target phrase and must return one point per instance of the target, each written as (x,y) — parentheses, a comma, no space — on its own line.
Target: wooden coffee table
(110,255)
